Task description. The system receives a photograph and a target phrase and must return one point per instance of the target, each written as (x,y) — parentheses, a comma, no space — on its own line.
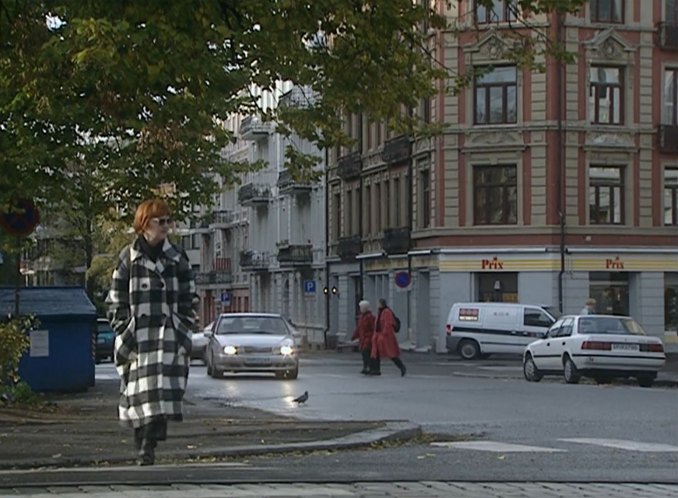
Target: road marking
(127,468)
(622,444)
(495,447)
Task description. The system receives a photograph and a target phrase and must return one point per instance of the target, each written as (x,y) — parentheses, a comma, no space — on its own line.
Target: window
(498,287)
(501,11)
(671,302)
(534,317)
(611,292)
(386,214)
(348,213)
(606,196)
(607,11)
(367,229)
(566,328)
(425,109)
(377,207)
(670,100)
(496,96)
(396,203)
(495,200)
(337,216)
(424,199)
(671,9)
(671,196)
(606,95)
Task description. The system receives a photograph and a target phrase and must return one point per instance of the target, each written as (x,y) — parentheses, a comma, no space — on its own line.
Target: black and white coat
(151,308)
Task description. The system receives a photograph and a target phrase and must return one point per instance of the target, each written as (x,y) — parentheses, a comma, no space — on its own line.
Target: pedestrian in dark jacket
(384,341)
(363,332)
(151,308)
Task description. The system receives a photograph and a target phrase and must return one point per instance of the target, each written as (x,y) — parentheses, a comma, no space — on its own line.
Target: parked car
(105,341)
(252,342)
(479,329)
(199,341)
(598,346)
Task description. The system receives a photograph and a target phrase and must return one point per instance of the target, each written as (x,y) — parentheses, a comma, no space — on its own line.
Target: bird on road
(301,399)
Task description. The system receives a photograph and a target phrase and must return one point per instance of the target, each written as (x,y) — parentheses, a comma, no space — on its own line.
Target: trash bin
(61,354)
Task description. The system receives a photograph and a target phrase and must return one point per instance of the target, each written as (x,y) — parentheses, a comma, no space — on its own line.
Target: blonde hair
(364,305)
(151,208)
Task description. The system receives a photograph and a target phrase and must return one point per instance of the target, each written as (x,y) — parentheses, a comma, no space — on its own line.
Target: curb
(391,431)
(659,382)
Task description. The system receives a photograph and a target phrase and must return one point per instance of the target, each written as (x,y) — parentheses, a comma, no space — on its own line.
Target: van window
(535,317)
(468,314)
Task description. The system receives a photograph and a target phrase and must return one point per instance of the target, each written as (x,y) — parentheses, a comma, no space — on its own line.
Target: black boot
(399,363)
(146,453)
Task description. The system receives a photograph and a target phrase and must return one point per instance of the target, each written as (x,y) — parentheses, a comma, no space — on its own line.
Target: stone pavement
(423,489)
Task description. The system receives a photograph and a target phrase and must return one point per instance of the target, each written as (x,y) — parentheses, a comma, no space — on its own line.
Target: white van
(480,329)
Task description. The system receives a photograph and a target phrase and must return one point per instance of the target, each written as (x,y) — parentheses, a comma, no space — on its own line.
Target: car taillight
(597,345)
(652,348)
(449,328)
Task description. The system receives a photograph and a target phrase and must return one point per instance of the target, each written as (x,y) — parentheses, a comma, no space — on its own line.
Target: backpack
(397,323)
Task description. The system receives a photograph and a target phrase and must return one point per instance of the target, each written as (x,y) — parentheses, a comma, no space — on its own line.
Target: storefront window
(611,292)
(671,302)
(498,287)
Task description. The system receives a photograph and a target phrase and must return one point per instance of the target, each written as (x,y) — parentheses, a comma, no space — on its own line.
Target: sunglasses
(162,221)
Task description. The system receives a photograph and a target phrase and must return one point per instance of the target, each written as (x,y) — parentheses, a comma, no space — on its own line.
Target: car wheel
(645,380)
(570,371)
(530,370)
(468,349)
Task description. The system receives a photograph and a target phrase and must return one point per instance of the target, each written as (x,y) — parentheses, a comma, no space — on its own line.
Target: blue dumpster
(61,355)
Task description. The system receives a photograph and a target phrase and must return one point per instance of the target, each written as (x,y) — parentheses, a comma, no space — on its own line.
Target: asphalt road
(486,423)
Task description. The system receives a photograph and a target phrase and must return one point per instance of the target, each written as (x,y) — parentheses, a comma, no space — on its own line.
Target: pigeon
(301,399)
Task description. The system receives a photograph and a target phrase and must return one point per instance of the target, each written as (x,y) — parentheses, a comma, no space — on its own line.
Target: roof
(47,301)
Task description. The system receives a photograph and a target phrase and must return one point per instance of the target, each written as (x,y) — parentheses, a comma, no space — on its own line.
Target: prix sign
(614,264)
(491,264)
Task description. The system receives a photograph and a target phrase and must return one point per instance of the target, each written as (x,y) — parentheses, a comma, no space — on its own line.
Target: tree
(115,98)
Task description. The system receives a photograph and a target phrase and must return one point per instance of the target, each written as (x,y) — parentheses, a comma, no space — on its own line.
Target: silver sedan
(252,342)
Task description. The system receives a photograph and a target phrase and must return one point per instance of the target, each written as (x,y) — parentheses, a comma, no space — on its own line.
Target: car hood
(256,340)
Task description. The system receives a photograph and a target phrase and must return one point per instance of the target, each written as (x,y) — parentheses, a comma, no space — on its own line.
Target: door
(558,344)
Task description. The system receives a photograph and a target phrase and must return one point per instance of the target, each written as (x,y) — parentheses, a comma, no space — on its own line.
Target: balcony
(396,240)
(349,247)
(222,219)
(288,185)
(349,166)
(254,260)
(298,98)
(253,128)
(295,255)
(253,195)
(667,35)
(668,139)
(397,149)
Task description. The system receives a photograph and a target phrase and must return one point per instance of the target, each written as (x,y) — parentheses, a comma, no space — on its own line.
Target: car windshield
(609,325)
(252,325)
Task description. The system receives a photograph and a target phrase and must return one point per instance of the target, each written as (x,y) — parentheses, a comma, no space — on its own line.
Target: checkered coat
(151,308)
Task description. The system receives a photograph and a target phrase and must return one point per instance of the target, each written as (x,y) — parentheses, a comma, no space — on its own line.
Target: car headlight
(286,350)
(230,350)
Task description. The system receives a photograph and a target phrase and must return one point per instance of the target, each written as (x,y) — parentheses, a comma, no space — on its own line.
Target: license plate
(625,347)
(258,361)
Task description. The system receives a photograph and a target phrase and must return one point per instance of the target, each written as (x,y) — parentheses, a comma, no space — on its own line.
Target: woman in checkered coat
(151,308)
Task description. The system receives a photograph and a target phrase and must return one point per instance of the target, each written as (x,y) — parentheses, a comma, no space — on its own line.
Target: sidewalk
(82,430)
(422,489)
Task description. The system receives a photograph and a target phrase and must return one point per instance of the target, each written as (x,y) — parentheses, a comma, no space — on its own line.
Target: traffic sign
(226,298)
(23,221)
(403,279)
(309,287)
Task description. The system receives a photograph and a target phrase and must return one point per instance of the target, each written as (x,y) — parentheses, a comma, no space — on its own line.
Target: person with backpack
(384,341)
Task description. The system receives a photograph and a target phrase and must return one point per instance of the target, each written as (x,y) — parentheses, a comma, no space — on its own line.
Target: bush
(14,342)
